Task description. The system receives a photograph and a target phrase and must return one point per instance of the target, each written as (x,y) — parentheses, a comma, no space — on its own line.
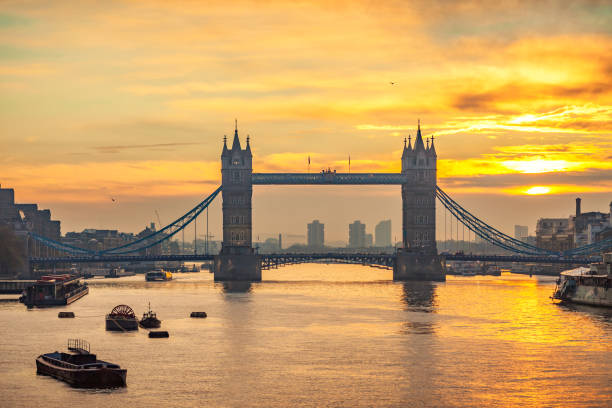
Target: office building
(357,235)
(382,233)
(316,234)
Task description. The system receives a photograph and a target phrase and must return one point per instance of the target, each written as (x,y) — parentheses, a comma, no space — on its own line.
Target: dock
(8,287)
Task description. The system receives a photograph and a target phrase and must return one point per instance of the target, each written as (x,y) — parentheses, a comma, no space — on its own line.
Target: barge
(54,290)
(80,368)
(589,286)
(121,318)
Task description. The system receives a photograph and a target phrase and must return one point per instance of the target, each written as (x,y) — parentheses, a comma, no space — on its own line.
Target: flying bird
(113,199)
(392,83)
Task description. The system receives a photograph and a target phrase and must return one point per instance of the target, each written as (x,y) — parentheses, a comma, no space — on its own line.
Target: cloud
(157,146)
(504,99)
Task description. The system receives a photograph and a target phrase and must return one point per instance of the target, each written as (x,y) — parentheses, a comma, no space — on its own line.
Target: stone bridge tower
(237,260)
(418,259)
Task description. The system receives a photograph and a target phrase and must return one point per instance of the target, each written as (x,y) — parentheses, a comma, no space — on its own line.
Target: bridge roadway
(374,259)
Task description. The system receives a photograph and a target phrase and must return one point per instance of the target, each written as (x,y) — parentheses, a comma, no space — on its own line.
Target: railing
(78,345)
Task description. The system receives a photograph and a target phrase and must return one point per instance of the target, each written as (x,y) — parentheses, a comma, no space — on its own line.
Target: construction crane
(158,219)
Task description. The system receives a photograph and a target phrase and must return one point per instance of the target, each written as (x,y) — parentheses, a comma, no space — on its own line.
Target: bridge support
(237,260)
(419,260)
(237,267)
(418,266)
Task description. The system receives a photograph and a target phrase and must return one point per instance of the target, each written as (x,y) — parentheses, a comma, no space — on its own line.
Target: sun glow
(537,190)
(537,165)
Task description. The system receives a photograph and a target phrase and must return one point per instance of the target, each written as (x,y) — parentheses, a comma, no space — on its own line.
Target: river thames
(323,335)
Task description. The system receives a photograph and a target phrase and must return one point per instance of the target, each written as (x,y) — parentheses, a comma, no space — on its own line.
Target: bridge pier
(237,267)
(418,266)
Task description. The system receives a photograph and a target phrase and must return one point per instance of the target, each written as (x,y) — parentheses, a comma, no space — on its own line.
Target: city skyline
(136,112)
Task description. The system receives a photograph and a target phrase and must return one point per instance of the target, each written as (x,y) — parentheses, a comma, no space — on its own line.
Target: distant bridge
(280,259)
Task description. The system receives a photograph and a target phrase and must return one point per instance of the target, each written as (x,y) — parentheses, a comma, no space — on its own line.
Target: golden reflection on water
(515,309)
(326,335)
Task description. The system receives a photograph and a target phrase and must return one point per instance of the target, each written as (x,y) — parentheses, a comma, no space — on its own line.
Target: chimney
(578,207)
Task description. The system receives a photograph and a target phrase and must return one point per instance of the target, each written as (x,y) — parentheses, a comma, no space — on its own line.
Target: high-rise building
(382,233)
(316,234)
(357,235)
(369,241)
(521,232)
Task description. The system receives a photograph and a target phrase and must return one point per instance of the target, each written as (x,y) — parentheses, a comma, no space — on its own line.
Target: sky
(130,100)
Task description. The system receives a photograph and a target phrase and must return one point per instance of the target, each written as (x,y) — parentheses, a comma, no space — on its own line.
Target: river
(323,335)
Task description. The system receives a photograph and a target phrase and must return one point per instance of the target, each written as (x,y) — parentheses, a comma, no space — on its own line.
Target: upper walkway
(329,177)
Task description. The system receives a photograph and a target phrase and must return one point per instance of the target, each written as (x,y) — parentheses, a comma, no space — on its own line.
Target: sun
(537,190)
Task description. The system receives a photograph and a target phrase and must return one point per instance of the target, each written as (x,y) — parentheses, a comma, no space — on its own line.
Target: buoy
(198,314)
(158,334)
(65,314)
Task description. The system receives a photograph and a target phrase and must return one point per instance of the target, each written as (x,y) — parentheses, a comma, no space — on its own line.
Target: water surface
(323,335)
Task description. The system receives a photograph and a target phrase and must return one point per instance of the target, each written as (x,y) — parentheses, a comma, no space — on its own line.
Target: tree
(12,252)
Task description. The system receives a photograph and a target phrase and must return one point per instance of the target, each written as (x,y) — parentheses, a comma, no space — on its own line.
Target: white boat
(589,286)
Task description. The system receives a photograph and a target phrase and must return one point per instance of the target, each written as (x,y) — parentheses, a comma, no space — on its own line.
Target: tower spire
(224,145)
(248,146)
(432,149)
(418,142)
(236,142)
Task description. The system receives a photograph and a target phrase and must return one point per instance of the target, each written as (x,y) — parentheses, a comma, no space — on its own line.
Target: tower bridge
(417,259)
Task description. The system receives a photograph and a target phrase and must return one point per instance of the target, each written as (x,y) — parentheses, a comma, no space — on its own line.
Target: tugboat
(589,286)
(80,368)
(149,319)
(54,290)
(121,318)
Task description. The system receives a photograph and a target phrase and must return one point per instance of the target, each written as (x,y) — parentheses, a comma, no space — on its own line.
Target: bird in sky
(113,200)
(392,83)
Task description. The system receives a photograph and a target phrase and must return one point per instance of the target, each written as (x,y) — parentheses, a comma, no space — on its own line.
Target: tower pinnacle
(418,142)
(236,142)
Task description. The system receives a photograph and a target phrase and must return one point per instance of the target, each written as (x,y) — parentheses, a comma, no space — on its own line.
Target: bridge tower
(237,260)
(418,259)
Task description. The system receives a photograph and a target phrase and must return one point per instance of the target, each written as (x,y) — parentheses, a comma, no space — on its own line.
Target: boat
(463,268)
(589,286)
(54,290)
(80,368)
(158,275)
(492,270)
(117,273)
(149,319)
(121,318)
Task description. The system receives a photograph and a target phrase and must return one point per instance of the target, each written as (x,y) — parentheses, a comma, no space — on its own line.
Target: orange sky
(131,99)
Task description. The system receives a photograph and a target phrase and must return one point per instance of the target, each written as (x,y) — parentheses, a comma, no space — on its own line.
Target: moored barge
(121,318)
(80,368)
(54,290)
